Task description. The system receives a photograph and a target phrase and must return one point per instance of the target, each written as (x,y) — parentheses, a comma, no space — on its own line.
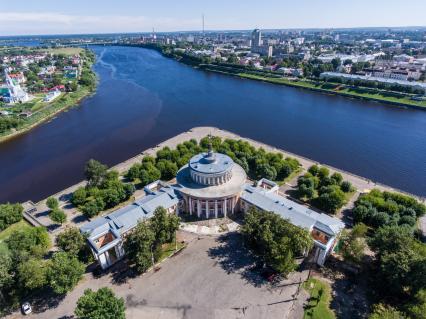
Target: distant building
(256,38)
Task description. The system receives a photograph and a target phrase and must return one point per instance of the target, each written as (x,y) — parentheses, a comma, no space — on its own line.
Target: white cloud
(15,23)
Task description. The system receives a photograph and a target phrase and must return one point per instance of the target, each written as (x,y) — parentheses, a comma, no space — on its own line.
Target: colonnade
(211,208)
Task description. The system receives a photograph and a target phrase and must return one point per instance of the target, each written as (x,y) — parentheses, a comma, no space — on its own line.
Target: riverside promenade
(37,213)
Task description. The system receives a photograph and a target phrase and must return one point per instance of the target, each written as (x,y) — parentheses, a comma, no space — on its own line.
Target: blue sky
(103,16)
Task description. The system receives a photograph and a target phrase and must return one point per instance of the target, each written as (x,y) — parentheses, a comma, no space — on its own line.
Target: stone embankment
(38,211)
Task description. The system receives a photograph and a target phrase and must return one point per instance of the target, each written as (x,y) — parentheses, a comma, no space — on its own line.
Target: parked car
(26,308)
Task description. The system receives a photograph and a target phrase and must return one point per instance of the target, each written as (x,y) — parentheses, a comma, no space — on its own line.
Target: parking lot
(211,278)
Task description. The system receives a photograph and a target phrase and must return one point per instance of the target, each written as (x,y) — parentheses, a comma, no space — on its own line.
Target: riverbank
(41,112)
(388,97)
(338,90)
(63,103)
(37,209)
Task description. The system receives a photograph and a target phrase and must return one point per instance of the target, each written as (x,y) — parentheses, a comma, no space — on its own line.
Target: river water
(144,98)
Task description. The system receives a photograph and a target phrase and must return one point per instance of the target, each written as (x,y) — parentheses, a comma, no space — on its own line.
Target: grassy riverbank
(330,88)
(40,111)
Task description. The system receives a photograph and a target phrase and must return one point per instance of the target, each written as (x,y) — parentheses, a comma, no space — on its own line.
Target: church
(211,185)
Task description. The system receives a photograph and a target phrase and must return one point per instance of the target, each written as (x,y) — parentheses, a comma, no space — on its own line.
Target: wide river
(144,98)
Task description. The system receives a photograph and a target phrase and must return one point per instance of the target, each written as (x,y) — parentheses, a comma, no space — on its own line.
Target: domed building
(210,185)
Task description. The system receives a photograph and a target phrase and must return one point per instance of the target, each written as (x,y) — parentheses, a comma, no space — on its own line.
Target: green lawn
(169,249)
(318,306)
(9,230)
(19,225)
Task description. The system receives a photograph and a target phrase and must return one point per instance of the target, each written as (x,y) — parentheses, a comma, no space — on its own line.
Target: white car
(26,308)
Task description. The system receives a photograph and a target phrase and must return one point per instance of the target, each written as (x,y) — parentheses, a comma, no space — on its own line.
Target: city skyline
(49,17)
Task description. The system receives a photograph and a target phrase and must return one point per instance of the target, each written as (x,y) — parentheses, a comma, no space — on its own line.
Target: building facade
(211,185)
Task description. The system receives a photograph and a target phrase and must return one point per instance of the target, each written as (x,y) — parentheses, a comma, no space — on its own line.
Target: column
(190,205)
(233,205)
(224,207)
(207,209)
(198,208)
(215,208)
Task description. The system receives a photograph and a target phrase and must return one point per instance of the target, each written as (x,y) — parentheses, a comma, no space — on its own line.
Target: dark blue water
(144,98)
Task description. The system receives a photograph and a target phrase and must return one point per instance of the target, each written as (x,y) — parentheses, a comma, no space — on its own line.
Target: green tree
(92,207)
(164,225)
(58,216)
(10,214)
(167,168)
(417,310)
(331,199)
(381,311)
(71,241)
(64,272)
(33,241)
(353,243)
(139,246)
(79,196)
(32,273)
(101,304)
(52,203)
(275,240)
(95,172)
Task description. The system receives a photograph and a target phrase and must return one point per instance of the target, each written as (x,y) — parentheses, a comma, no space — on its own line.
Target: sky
(29,17)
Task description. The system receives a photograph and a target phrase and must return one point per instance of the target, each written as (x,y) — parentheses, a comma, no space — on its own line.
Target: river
(144,98)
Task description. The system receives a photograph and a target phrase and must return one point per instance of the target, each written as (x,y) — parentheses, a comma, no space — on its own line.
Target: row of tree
(377,209)
(103,190)
(324,191)
(257,162)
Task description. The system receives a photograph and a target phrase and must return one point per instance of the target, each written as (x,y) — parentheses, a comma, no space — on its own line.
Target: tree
(33,241)
(32,273)
(149,173)
(139,246)
(71,241)
(381,311)
(164,225)
(58,216)
(79,196)
(353,243)
(95,172)
(331,199)
(101,304)
(10,214)
(417,309)
(93,207)
(168,169)
(64,272)
(52,203)
(275,240)
(346,186)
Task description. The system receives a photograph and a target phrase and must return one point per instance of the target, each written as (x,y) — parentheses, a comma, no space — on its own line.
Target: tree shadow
(41,214)
(234,257)
(79,219)
(45,299)
(349,288)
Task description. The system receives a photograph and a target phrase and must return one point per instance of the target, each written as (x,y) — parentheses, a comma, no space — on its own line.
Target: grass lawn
(169,249)
(17,226)
(318,306)
(66,51)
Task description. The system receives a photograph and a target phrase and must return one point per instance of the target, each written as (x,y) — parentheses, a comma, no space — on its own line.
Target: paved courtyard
(211,278)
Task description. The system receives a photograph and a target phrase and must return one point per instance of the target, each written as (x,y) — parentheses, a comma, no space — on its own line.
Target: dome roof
(211,163)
